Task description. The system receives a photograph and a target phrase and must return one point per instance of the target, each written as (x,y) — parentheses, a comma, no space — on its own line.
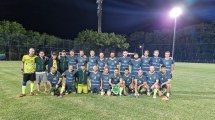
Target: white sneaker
(154,96)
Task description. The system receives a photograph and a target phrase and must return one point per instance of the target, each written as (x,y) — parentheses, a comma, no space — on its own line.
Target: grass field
(193,97)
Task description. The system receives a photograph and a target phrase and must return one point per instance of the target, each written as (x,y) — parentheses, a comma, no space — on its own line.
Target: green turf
(193,97)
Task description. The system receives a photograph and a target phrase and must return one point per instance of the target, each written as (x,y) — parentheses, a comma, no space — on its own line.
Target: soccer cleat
(167,95)
(61,94)
(21,95)
(31,94)
(154,96)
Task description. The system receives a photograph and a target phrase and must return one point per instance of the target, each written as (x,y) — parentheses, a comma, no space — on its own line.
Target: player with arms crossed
(28,69)
(152,81)
(81,59)
(156,61)
(135,65)
(168,63)
(101,62)
(95,81)
(72,59)
(145,62)
(164,82)
(140,83)
(55,81)
(112,63)
(124,62)
(105,86)
(128,83)
(92,61)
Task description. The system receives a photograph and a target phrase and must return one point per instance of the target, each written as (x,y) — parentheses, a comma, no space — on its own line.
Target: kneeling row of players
(83,81)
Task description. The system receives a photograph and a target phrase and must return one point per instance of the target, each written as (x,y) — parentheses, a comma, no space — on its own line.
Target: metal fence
(204,53)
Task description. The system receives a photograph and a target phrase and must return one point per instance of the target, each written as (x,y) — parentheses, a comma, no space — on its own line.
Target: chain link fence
(202,53)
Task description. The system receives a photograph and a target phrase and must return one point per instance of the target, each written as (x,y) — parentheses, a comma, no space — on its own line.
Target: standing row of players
(131,75)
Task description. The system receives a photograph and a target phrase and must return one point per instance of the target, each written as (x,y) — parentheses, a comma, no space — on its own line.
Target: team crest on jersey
(91,60)
(54,78)
(139,81)
(125,61)
(167,63)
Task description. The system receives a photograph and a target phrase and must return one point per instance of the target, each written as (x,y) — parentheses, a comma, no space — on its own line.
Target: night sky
(65,18)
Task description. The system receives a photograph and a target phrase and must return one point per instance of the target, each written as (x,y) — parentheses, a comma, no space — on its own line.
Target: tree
(91,40)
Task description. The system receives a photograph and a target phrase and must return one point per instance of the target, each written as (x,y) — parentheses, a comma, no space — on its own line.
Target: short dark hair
(72,50)
(126,69)
(163,66)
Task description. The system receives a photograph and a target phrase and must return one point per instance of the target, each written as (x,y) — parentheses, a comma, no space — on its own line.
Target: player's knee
(24,83)
(102,93)
(168,85)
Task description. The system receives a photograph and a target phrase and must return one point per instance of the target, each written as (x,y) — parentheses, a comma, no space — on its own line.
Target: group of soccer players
(81,74)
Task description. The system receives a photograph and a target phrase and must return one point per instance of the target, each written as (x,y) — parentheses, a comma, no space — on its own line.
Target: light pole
(142,47)
(99,14)
(174,13)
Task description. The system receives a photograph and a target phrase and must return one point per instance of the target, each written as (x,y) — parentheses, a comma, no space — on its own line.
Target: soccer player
(128,84)
(112,63)
(152,81)
(101,62)
(92,61)
(140,83)
(124,62)
(164,81)
(105,86)
(145,62)
(72,59)
(63,62)
(68,81)
(81,59)
(82,76)
(28,69)
(41,74)
(168,62)
(135,65)
(116,79)
(95,80)
(54,62)
(156,61)
(55,81)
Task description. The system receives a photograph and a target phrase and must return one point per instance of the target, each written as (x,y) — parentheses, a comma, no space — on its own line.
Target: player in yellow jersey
(28,69)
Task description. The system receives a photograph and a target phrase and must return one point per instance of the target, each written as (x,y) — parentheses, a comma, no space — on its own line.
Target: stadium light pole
(175,13)
(142,47)
(99,14)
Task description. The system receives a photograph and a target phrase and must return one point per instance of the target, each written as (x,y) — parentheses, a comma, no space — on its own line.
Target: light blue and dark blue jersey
(112,64)
(140,79)
(156,63)
(105,81)
(81,61)
(72,60)
(124,63)
(54,78)
(70,76)
(168,63)
(92,61)
(163,77)
(95,79)
(115,79)
(127,79)
(136,66)
(145,63)
(151,78)
(101,65)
